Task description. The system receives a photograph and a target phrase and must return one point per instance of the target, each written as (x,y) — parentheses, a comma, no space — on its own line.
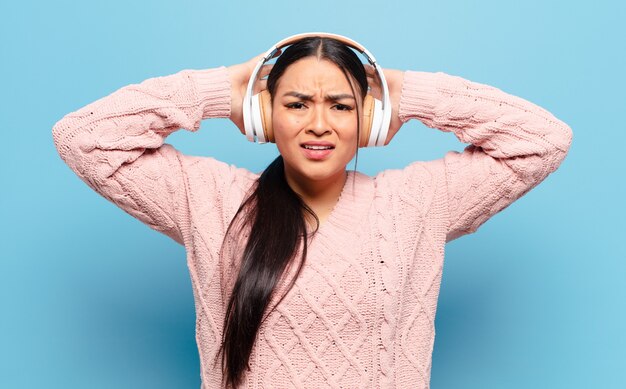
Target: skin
(318,117)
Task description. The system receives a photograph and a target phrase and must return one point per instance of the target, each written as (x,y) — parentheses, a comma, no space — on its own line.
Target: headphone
(257,109)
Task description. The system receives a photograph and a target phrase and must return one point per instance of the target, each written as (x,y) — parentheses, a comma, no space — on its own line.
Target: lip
(317,143)
(317,155)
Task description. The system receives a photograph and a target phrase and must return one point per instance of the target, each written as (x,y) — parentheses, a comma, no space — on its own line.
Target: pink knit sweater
(362,312)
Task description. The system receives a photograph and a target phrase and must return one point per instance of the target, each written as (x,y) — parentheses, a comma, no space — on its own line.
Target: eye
(343,107)
(296,105)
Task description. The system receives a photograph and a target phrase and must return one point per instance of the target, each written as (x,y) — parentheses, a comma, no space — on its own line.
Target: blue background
(90,297)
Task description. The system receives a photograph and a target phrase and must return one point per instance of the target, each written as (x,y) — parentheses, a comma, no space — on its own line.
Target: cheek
(348,129)
(285,125)
(285,130)
(284,136)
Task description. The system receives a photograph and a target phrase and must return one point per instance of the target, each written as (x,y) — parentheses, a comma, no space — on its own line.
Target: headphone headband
(347,41)
(248,110)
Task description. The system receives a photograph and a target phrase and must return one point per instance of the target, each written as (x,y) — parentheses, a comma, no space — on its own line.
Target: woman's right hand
(239,76)
(395,80)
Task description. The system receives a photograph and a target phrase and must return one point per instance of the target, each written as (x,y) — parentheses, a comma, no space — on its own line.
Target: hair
(266,258)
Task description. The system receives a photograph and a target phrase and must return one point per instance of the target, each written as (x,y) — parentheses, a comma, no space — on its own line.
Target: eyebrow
(304,97)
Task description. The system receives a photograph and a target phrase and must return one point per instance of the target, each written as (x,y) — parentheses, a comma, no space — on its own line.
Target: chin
(321,174)
(314,171)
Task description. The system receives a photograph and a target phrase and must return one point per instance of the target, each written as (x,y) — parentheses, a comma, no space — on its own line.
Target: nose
(319,124)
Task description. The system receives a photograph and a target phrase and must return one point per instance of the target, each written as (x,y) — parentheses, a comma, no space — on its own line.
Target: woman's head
(317,87)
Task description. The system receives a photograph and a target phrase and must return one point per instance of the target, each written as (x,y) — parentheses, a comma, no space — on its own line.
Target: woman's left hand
(394,80)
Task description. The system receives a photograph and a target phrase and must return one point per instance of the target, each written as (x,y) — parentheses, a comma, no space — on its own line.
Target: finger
(277,53)
(371,80)
(265,70)
(259,86)
(375,89)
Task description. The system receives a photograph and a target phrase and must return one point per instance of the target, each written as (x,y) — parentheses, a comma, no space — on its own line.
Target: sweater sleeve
(116,144)
(514,144)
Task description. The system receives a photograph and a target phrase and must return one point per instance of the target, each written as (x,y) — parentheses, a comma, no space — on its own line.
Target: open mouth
(317,152)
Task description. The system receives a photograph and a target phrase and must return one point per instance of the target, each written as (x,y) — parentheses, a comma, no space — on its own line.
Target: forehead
(311,74)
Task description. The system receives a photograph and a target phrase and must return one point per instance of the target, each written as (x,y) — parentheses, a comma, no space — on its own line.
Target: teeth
(317,147)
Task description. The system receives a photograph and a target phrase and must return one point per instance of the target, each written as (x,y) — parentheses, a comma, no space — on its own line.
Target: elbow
(566,137)
(66,138)
(533,168)
(562,141)
(61,138)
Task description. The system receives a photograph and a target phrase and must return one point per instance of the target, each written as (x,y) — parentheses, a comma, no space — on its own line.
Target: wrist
(237,90)
(213,91)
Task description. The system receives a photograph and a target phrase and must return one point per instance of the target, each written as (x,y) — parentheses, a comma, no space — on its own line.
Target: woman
(308,275)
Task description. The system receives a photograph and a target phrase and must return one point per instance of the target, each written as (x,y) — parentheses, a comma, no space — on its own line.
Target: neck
(322,195)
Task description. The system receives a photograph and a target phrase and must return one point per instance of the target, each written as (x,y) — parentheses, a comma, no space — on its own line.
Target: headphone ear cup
(368,117)
(265,102)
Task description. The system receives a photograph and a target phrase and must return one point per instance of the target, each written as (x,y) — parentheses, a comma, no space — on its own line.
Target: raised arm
(116,144)
(514,144)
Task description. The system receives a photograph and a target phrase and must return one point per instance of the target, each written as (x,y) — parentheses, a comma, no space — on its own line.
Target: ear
(368,113)
(265,100)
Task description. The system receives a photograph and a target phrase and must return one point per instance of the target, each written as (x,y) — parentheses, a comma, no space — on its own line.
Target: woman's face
(314,118)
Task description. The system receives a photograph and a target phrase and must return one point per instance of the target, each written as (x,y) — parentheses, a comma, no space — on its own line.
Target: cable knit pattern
(362,312)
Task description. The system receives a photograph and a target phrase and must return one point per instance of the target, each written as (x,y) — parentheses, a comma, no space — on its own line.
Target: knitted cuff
(419,95)
(213,88)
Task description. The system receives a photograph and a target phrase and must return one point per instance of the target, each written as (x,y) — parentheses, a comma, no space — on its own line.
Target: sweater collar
(347,214)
